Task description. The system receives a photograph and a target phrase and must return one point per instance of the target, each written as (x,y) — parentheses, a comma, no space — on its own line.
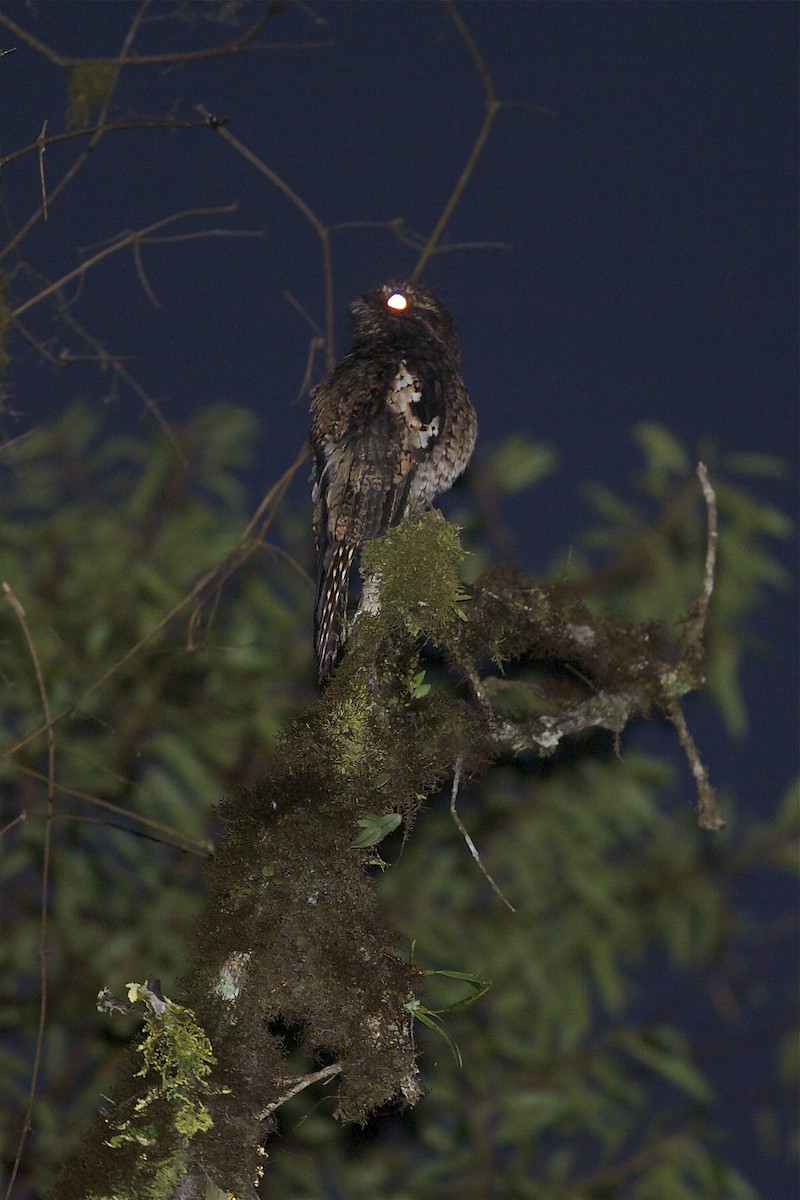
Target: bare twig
(45,883)
(41,168)
(245,41)
(120,371)
(175,57)
(304,313)
(462,830)
(170,835)
(205,851)
(272,498)
(184,57)
(708,814)
(31,40)
(322,231)
(315,344)
(493,106)
(132,238)
(95,139)
(99,354)
(299,1085)
(142,274)
(247,544)
(19,819)
(172,239)
(452,247)
(111,127)
(695,624)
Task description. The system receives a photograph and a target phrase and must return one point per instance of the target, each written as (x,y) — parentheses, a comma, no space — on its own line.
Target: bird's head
(401,310)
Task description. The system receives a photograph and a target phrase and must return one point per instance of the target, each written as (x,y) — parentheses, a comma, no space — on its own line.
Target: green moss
(178,1052)
(148,1131)
(415,566)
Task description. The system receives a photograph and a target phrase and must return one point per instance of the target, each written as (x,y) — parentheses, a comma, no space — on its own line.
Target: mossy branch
(293,957)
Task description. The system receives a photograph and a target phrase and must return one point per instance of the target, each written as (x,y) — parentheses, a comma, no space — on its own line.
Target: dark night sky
(652,218)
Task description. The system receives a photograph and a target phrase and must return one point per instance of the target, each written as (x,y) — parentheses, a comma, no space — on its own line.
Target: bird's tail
(330,611)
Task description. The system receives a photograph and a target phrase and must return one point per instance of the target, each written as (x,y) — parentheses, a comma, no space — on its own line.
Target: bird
(392,427)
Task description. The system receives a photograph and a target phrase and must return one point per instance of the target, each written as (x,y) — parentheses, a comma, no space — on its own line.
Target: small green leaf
(375,827)
(480,988)
(767,465)
(518,463)
(213,1192)
(664,451)
(418,687)
(665,1051)
(429,1018)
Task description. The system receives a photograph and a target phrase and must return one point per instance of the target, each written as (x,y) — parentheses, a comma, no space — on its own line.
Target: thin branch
(93,142)
(299,1085)
(244,42)
(41,168)
(127,239)
(322,232)
(262,167)
(205,852)
(395,225)
(31,40)
(304,313)
(120,371)
(493,106)
(452,247)
(708,813)
(19,819)
(247,545)
(695,624)
(101,355)
(142,275)
(315,343)
(637,550)
(184,57)
(172,239)
(273,497)
(175,57)
(606,710)
(391,225)
(9,595)
(200,845)
(133,30)
(45,883)
(113,127)
(462,830)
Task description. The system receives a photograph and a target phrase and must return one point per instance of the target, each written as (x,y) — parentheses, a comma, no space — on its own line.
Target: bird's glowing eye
(397,301)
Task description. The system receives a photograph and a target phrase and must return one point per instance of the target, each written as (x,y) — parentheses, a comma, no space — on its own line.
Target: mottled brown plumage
(392,427)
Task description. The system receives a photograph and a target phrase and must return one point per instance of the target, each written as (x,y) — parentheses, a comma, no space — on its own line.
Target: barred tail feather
(330,613)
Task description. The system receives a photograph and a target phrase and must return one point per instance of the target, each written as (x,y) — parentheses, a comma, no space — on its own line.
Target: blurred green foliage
(101,538)
(578,1079)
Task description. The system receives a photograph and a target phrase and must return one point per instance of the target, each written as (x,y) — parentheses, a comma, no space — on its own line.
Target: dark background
(650,274)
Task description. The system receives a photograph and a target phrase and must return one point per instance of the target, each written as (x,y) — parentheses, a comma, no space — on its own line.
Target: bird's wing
(369,437)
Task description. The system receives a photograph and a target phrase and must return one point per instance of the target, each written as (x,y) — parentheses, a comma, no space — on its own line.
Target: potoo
(392,427)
